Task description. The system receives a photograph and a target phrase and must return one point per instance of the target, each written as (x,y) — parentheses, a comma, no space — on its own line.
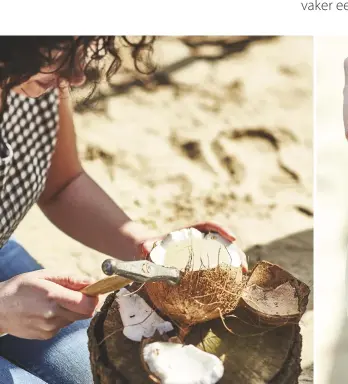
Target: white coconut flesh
(182,364)
(204,251)
(138,318)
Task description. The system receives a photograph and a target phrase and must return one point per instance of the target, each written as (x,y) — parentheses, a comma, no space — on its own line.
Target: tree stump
(254,348)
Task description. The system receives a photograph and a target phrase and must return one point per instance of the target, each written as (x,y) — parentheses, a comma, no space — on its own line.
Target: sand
(226,138)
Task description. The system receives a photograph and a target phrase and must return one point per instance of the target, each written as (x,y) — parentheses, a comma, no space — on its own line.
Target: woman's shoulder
(18,99)
(20,107)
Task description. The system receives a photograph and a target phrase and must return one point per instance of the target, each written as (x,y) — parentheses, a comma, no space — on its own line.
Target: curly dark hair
(21,57)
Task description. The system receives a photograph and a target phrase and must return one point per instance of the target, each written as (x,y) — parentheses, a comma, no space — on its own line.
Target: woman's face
(50,76)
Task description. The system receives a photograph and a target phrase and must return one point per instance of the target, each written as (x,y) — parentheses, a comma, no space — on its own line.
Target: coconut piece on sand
(211,282)
(174,363)
(138,318)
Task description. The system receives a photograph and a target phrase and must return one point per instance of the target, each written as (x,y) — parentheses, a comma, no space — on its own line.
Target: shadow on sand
(226,46)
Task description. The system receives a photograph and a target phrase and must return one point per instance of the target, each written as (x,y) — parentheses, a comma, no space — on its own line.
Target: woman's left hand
(204,227)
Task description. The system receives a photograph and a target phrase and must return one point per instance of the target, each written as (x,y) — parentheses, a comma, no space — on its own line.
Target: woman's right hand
(36,305)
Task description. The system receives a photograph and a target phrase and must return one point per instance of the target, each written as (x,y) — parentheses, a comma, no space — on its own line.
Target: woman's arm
(79,207)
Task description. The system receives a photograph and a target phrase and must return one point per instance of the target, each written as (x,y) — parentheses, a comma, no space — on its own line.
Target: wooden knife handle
(106,285)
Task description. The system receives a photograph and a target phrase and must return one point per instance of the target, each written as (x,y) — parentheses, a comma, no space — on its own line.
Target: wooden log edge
(102,368)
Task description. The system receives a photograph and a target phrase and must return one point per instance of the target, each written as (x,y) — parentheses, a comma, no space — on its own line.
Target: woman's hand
(36,305)
(204,227)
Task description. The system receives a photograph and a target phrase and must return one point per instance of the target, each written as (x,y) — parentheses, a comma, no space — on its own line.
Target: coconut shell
(151,376)
(156,337)
(200,296)
(274,296)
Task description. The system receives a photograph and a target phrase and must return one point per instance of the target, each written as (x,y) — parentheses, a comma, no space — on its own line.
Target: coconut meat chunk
(138,318)
(182,364)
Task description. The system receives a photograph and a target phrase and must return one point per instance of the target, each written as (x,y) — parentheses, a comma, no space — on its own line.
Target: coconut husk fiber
(202,295)
(259,342)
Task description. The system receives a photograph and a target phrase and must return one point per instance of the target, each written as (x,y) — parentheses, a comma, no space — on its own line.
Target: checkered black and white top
(28,133)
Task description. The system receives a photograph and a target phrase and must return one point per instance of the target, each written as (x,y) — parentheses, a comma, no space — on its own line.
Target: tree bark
(270,355)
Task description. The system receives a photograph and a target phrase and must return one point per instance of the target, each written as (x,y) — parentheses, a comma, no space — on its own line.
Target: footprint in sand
(229,162)
(251,158)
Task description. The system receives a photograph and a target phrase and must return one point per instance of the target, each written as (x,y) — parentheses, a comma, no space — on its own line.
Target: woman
(42,313)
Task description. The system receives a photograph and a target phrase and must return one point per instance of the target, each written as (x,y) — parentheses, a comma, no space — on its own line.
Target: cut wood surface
(255,347)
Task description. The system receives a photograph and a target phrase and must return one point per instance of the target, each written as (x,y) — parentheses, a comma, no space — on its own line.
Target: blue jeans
(63,359)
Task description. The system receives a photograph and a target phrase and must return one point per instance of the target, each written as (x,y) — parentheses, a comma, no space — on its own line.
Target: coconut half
(212,277)
(208,250)
(273,296)
(138,318)
(174,363)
